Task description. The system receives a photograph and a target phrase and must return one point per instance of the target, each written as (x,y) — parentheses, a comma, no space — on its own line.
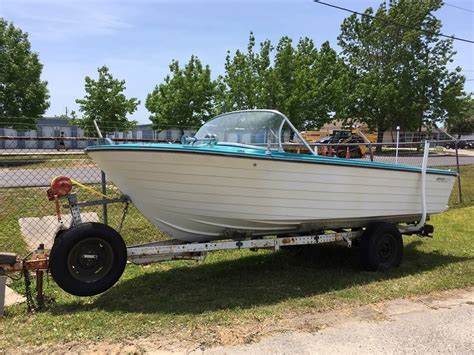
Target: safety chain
(124,213)
(30,303)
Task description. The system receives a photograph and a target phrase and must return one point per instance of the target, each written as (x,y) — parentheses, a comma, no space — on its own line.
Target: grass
(467,185)
(230,287)
(234,286)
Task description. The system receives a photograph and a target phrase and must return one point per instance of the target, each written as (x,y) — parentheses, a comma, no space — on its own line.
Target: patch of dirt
(199,339)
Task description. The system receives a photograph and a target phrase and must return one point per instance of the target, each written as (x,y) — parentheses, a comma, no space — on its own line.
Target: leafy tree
(398,66)
(23,95)
(238,89)
(185,98)
(462,120)
(310,82)
(106,103)
(302,82)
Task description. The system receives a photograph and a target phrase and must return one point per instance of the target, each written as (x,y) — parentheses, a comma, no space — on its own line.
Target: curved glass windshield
(245,127)
(252,127)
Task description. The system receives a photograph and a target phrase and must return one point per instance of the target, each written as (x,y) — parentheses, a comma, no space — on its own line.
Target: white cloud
(61,20)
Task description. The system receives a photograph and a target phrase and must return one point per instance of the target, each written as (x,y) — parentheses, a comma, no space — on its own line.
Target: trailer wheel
(381,247)
(88,259)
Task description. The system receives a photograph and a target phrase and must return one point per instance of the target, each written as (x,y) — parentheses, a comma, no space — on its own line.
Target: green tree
(23,95)
(185,98)
(461,120)
(302,82)
(310,82)
(238,89)
(106,103)
(398,66)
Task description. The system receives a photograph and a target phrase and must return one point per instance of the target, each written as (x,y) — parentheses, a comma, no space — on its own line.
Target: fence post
(398,140)
(371,153)
(104,191)
(459,173)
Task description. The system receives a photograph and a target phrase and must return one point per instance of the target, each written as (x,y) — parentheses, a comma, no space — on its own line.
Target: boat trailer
(87,258)
(42,261)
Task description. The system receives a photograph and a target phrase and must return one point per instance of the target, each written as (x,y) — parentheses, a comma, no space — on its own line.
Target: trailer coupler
(37,262)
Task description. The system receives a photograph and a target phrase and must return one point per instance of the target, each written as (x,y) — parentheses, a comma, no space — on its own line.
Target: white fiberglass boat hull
(195,194)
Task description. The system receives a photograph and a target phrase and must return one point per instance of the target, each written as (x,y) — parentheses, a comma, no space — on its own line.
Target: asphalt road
(43,176)
(90,175)
(439,327)
(9,152)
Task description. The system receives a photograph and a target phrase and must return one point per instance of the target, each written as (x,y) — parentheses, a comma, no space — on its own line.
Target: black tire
(88,259)
(381,247)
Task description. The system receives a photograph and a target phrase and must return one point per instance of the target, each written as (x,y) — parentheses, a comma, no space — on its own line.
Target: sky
(137,39)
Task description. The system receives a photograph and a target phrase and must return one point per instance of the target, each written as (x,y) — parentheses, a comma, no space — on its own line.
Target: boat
(234,180)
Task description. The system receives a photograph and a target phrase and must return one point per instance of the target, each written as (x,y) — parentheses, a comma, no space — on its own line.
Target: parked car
(452,144)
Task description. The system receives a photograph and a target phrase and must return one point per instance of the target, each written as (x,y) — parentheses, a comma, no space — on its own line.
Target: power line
(462,69)
(393,23)
(459,7)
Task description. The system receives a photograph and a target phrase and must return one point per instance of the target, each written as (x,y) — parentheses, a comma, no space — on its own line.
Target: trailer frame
(174,249)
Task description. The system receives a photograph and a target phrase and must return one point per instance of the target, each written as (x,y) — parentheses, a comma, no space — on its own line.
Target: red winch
(60,186)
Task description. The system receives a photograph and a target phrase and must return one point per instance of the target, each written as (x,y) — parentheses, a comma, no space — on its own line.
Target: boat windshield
(263,128)
(245,127)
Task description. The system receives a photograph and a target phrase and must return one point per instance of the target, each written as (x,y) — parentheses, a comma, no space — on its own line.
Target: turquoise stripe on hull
(260,154)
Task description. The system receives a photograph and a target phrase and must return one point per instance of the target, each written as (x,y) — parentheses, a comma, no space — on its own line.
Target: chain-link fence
(28,218)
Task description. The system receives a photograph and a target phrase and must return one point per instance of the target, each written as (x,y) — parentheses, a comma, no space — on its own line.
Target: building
(47,127)
(56,127)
